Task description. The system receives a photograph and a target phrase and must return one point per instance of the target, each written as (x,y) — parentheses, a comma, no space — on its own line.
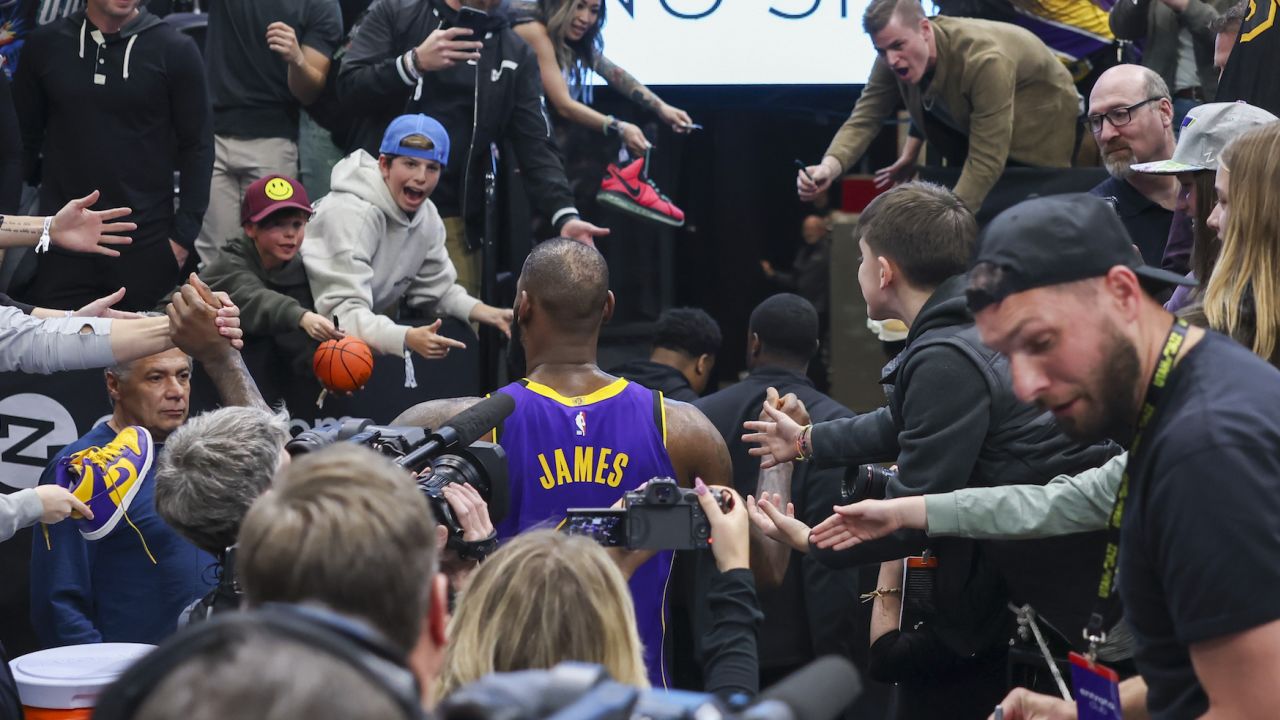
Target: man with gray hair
(1131,117)
(211,471)
(126,576)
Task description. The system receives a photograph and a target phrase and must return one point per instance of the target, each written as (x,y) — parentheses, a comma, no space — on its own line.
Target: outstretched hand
(583,231)
(868,520)
(779,526)
(775,438)
(102,308)
(80,229)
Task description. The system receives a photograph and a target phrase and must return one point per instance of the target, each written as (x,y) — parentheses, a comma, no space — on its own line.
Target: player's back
(583,451)
(586,451)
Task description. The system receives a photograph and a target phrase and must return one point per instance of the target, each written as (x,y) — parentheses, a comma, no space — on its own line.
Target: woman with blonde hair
(545,597)
(1242,297)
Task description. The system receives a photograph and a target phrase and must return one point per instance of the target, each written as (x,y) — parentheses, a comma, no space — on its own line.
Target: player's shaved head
(569,282)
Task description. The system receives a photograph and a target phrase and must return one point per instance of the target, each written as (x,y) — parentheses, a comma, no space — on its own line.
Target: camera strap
(1106,609)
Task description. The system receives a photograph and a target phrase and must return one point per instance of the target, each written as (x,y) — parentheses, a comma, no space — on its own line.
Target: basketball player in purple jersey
(580,437)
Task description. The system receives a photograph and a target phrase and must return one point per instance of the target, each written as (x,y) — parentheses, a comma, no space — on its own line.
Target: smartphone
(607,526)
(474,20)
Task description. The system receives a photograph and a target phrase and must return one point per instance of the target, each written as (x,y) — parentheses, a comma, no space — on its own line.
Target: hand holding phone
(444,48)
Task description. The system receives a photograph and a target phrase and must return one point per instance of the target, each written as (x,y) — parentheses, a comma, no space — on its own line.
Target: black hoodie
(953,421)
(120,117)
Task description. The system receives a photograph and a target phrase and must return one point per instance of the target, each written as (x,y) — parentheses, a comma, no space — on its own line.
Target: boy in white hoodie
(376,237)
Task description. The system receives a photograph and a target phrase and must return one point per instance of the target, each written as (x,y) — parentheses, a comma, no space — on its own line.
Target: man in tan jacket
(984,93)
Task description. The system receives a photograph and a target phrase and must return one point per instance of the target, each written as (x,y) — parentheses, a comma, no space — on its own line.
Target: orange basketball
(343,365)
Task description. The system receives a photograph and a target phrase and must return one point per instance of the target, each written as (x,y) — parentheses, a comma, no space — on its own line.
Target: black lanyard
(1106,608)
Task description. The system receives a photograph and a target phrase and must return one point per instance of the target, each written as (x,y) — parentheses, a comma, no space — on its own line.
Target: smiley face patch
(278,189)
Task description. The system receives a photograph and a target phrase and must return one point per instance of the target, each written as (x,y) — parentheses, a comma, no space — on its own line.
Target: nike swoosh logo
(632,190)
(495,74)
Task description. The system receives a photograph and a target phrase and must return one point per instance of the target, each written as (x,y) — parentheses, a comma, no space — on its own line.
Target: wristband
(43,245)
(476,550)
(611,126)
(410,62)
(803,449)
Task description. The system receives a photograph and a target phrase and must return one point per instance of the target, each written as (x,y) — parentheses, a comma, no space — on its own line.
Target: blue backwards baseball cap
(416,136)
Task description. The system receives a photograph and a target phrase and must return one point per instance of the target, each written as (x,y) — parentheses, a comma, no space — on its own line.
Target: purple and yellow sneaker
(107,478)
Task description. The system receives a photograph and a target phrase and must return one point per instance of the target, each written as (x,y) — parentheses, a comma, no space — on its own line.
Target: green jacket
(1067,504)
(271,302)
(1003,88)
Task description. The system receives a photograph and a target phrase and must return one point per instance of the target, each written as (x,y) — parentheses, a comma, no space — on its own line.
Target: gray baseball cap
(1206,131)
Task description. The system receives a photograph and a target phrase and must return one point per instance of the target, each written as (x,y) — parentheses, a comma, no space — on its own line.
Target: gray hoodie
(18,510)
(363,253)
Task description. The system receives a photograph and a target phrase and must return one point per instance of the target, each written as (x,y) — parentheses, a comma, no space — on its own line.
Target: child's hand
(319,327)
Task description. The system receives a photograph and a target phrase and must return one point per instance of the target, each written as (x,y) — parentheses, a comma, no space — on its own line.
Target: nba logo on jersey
(581,422)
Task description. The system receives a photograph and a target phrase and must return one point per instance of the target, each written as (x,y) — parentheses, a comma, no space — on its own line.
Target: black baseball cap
(1054,240)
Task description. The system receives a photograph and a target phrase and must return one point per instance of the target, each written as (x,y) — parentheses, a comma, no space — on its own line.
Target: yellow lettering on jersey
(562,468)
(619,464)
(602,463)
(547,478)
(583,463)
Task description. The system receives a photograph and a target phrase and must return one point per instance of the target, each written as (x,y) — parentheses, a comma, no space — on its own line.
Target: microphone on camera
(462,429)
(820,690)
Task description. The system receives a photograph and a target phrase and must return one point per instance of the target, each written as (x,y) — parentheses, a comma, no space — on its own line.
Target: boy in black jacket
(115,100)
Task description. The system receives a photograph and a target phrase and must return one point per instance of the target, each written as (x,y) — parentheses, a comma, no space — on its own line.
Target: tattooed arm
(623,82)
(557,90)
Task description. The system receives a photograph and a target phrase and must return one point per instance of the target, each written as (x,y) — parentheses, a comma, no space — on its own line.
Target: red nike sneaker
(629,189)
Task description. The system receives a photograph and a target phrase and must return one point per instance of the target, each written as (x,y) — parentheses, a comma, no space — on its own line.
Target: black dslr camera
(866,482)
(435,463)
(659,516)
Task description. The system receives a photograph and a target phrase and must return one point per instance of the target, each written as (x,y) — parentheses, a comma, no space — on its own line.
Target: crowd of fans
(1070,491)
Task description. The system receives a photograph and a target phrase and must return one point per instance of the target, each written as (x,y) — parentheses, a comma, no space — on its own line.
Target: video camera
(578,691)
(451,454)
(659,516)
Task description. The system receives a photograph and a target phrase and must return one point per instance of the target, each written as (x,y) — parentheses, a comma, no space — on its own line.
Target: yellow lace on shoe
(103,459)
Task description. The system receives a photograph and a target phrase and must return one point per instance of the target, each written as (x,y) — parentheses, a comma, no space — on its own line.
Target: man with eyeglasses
(1131,118)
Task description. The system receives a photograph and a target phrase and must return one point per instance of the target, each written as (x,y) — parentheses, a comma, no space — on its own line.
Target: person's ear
(384,165)
(1166,112)
(438,612)
(609,301)
(887,271)
(703,364)
(754,346)
(251,230)
(113,387)
(523,306)
(1125,291)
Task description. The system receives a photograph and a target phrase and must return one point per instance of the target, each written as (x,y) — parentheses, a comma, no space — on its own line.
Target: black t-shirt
(1147,222)
(248,82)
(1201,534)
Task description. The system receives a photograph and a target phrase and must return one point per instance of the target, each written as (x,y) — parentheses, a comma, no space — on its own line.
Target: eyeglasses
(1118,117)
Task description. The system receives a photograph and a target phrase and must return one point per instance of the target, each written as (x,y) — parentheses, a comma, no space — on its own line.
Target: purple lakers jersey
(585,452)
